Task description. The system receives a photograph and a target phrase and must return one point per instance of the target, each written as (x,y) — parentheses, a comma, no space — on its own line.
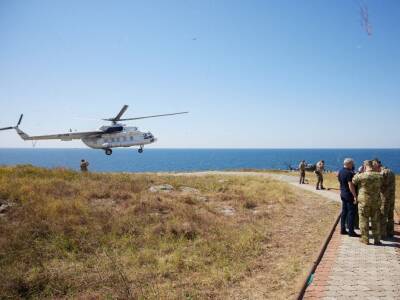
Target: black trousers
(348,214)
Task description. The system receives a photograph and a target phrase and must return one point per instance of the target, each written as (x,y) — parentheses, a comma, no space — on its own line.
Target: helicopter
(106,137)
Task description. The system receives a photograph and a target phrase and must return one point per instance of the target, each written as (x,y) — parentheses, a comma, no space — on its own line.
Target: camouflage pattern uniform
(302,170)
(369,201)
(388,199)
(84,166)
(319,172)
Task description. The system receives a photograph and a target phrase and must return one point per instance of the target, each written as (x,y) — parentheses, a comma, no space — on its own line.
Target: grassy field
(72,235)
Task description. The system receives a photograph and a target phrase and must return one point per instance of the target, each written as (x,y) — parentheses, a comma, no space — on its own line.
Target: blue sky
(253,74)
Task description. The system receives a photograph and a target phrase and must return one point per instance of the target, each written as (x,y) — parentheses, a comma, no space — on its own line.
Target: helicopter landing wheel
(140,150)
(108,151)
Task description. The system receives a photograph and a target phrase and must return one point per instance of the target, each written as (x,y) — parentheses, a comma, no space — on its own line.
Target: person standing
(302,170)
(356,218)
(388,199)
(369,201)
(84,165)
(348,196)
(319,170)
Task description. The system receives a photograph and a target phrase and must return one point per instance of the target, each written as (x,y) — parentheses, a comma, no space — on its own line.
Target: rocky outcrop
(5,206)
(165,188)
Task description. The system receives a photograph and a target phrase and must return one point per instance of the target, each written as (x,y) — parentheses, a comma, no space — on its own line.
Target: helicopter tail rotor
(13,127)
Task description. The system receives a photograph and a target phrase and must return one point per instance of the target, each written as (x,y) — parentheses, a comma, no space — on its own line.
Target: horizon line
(213,148)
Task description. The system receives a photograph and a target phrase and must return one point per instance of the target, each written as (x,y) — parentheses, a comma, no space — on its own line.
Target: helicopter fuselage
(119,136)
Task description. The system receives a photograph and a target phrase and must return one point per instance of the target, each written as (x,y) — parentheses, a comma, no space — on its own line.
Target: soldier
(388,198)
(320,166)
(369,184)
(356,218)
(84,165)
(302,170)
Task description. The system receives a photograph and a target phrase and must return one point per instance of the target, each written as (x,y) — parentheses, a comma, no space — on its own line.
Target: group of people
(319,169)
(371,192)
(367,195)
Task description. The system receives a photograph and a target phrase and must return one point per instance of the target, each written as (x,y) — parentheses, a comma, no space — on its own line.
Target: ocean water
(158,160)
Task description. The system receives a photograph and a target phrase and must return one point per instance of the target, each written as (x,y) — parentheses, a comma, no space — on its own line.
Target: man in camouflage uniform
(388,198)
(302,170)
(369,184)
(320,167)
(84,165)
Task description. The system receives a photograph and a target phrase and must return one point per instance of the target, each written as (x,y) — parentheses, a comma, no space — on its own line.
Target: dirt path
(293,180)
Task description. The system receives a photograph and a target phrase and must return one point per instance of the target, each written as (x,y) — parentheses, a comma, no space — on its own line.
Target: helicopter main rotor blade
(155,116)
(119,115)
(122,111)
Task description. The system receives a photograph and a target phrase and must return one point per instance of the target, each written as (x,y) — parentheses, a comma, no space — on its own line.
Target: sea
(178,160)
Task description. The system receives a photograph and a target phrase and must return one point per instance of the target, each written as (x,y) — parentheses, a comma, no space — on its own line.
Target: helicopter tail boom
(22,134)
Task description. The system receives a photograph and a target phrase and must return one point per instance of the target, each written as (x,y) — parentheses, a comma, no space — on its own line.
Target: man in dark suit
(348,196)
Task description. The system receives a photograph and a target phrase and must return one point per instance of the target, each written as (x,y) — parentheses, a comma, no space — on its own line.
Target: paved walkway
(352,270)
(349,269)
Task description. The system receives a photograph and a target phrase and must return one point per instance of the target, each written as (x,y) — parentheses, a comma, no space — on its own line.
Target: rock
(189,190)
(165,188)
(104,202)
(5,206)
(202,198)
(228,210)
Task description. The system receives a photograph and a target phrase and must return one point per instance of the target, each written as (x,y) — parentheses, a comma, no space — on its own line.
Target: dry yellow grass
(72,235)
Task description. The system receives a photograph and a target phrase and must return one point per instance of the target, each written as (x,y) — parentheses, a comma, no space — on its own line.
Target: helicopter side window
(117,139)
(131,138)
(113,140)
